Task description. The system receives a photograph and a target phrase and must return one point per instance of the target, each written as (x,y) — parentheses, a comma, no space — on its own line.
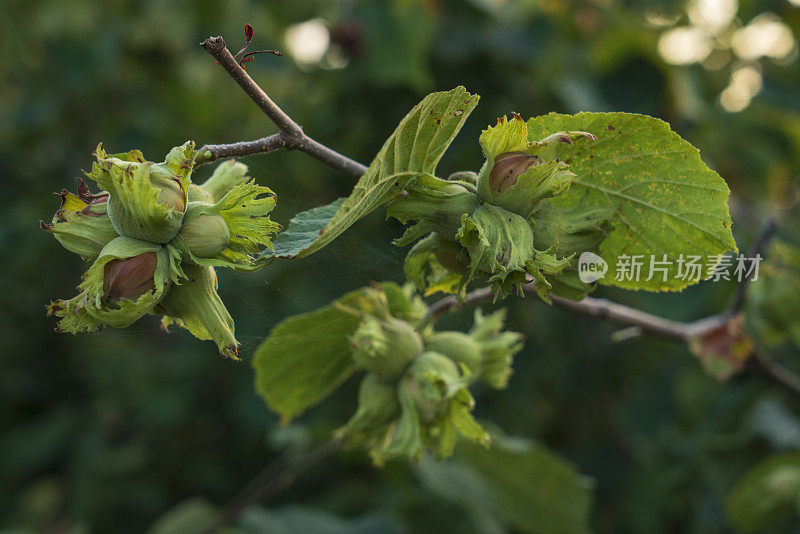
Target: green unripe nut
(170,192)
(458,346)
(429,392)
(130,215)
(377,406)
(385,346)
(454,189)
(205,235)
(198,194)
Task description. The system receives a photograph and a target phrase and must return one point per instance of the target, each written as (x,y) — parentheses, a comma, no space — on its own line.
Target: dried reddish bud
(72,203)
(87,196)
(508,167)
(130,278)
(242,59)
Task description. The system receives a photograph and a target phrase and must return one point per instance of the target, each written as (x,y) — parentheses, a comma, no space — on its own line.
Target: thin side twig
(598,308)
(211,153)
(767,231)
(647,323)
(775,373)
(216,47)
(290,135)
(271,480)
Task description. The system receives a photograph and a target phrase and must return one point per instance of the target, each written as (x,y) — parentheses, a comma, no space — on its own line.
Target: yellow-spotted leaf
(669,206)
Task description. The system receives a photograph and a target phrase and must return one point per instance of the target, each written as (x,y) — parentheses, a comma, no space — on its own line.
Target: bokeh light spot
(308,41)
(683,46)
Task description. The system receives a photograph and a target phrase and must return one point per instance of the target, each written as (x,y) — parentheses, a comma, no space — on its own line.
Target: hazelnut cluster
(414,396)
(154,239)
(499,222)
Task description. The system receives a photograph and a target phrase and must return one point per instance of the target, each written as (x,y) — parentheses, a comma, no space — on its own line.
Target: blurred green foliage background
(107,433)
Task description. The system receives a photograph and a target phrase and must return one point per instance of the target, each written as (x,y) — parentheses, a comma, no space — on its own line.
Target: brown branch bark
(648,323)
(290,135)
(211,153)
(601,309)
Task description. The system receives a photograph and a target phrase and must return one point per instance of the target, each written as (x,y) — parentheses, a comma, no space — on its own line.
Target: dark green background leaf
(767,494)
(534,490)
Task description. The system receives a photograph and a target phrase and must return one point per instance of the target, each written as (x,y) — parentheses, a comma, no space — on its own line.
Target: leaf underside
(415,147)
(305,358)
(304,229)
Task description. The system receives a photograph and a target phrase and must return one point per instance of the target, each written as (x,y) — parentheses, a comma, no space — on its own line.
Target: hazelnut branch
(601,309)
(647,323)
(290,135)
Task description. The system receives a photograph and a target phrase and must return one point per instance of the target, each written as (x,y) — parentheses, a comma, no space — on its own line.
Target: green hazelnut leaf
(304,359)
(307,356)
(304,229)
(536,490)
(196,306)
(517,483)
(415,147)
(667,200)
